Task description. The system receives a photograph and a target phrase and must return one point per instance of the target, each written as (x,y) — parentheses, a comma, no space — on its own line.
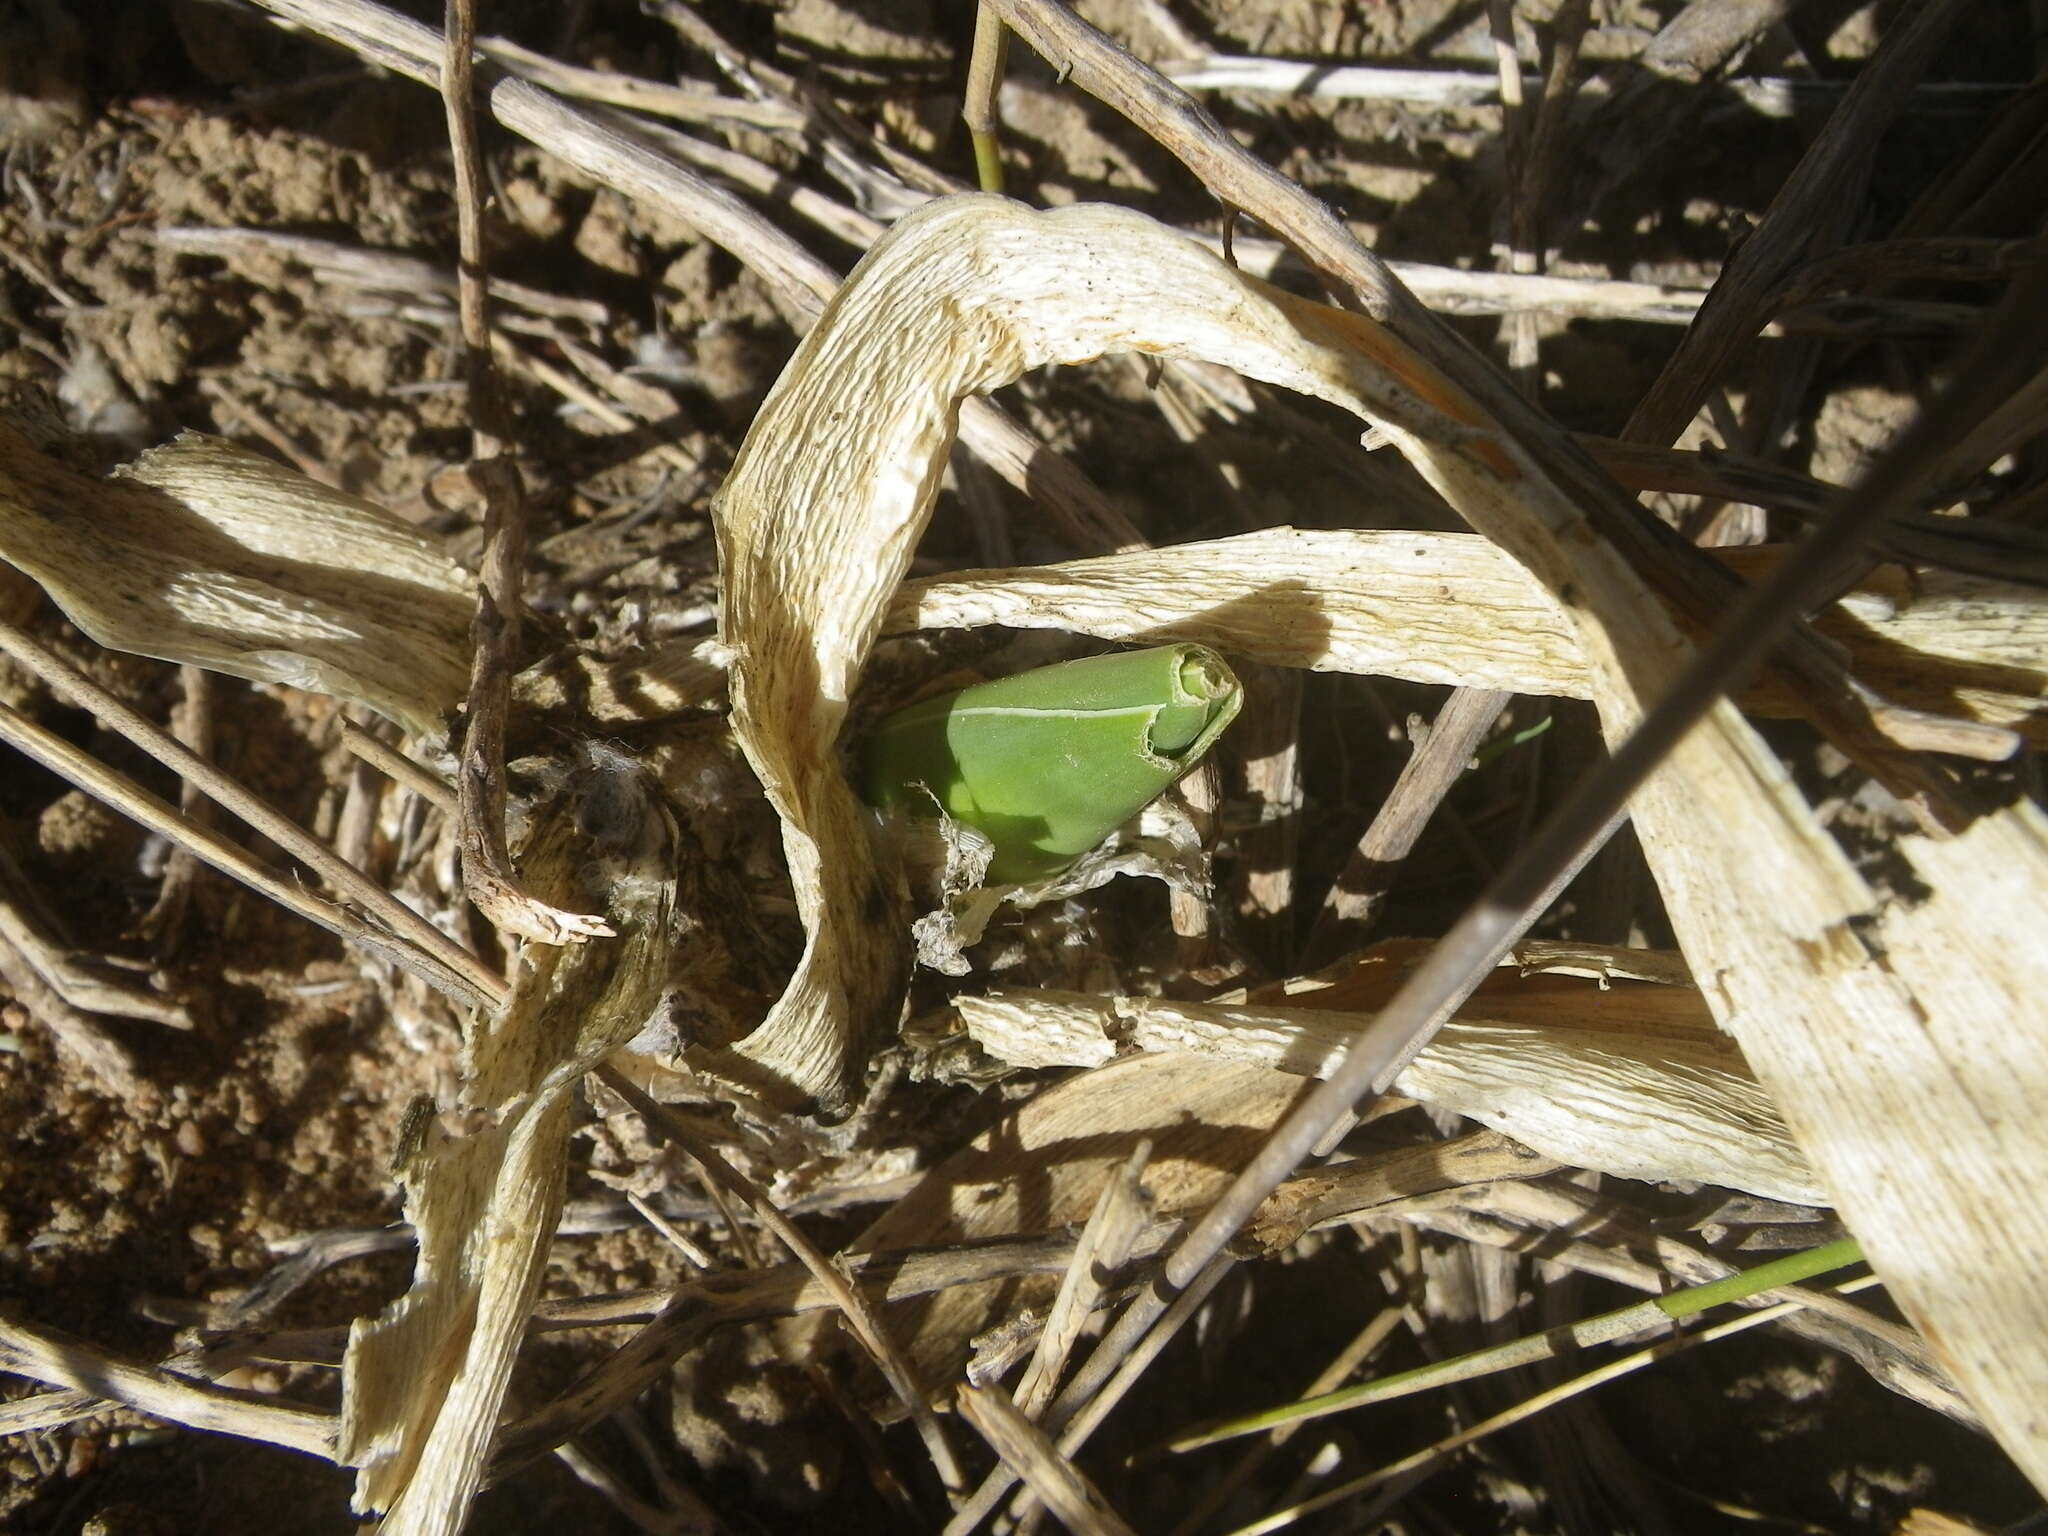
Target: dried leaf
(425,1382)
(204,552)
(1633,1080)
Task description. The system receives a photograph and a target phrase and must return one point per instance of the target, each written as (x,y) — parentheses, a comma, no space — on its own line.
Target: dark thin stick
(1813,204)
(487,872)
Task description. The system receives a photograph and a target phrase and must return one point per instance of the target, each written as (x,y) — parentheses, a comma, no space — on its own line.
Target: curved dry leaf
(836,479)
(1636,1081)
(204,552)
(1452,608)
(424,1383)
(835,483)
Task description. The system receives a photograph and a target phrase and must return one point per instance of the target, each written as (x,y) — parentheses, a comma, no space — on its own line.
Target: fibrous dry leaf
(204,552)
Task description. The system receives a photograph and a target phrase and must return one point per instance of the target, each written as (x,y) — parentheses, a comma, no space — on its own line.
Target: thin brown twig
(78,1033)
(1025,1450)
(487,872)
(404,931)
(399,768)
(859,1311)
(43,1354)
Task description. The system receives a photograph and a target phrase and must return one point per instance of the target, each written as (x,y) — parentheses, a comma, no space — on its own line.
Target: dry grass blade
(1424,1461)
(1844,1010)
(233,562)
(45,1355)
(1120,1213)
(148,810)
(406,927)
(1059,1485)
(626,161)
(1370,601)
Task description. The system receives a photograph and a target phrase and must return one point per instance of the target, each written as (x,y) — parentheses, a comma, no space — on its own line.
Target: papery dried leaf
(827,497)
(204,552)
(1636,1081)
(1453,608)
(424,1383)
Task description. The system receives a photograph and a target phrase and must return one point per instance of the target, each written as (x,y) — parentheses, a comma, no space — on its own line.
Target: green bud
(1048,763)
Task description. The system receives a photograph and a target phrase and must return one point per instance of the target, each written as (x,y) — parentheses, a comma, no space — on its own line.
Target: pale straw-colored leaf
(424,1383)
(204,552)
(1453,608)
(1636,1081)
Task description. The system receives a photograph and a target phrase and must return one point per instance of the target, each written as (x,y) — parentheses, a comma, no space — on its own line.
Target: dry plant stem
(1120,1214)
(860,1313)
(192,728)
(1429,1458)
(487,873)
(61,1360)
(1432,769)
(1524,1218)
(1073,1430)
(1764,95)
(1870,267)
(399,768)
(78,1033)
(1025,1450)
(676,1319)
(1812,205)
(1669,80)
(1980,546)
(978,106)
(407,939)
(1329,248)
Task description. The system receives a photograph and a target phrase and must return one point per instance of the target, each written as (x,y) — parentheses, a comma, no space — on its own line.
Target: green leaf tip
(1049,762)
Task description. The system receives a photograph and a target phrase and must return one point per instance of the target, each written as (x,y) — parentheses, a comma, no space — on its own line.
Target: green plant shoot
(1048,763)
